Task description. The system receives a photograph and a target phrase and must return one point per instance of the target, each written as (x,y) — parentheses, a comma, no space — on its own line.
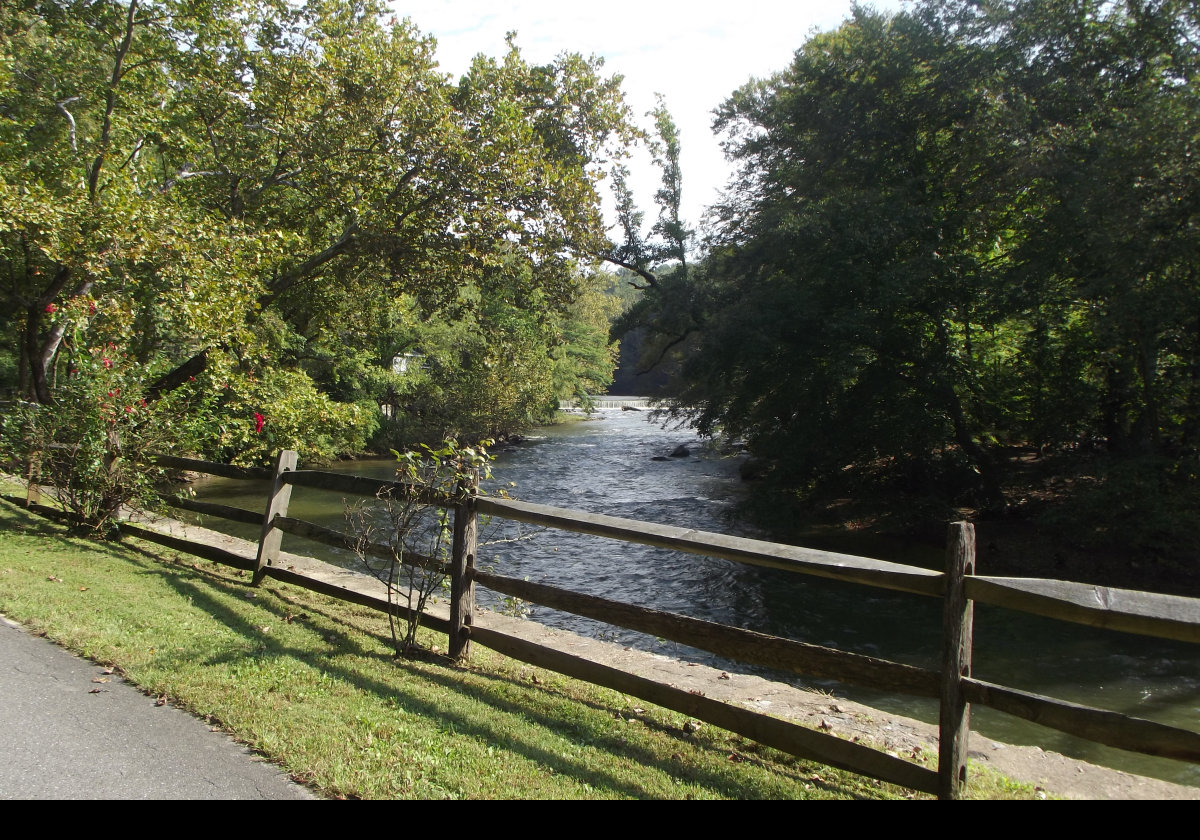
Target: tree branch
(62,106)
(645,274)
(111,99)
(666,349)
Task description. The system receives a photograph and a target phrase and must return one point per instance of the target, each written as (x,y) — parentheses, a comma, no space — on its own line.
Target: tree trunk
(38,356)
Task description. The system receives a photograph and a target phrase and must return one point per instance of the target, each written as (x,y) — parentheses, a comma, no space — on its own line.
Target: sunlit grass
(311,683)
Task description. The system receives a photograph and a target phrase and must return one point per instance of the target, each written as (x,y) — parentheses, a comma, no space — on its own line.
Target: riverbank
(266,626)
(310,683)
(1085,516)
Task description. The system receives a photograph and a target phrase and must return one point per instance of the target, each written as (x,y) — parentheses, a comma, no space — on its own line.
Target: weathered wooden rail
(1164,616)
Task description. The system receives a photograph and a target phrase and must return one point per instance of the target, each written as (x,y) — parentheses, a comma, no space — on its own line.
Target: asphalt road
(63,735)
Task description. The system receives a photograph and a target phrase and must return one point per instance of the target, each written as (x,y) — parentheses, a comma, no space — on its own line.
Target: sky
(693,53)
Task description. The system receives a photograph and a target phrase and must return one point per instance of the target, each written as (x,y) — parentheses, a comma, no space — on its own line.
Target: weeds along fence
(952,685)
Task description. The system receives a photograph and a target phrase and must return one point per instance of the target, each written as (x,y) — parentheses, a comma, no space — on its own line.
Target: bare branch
(186,172)
(62,106)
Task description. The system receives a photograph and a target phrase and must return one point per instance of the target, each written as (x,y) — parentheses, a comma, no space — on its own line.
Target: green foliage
(585,357)
(292,190)
(953,229)
(1147,507)
(254,418)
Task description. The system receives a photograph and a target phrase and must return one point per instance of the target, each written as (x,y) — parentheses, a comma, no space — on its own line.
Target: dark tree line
(967,226)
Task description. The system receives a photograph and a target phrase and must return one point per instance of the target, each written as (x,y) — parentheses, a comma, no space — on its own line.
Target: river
(605,466)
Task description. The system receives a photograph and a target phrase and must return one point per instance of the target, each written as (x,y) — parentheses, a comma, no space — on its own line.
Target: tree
(850,266)
(665,314)
(955,228)
(235,185)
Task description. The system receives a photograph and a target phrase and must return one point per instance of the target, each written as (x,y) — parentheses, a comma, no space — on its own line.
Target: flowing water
(605,466)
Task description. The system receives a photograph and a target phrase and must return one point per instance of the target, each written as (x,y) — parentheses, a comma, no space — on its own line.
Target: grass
(310,683)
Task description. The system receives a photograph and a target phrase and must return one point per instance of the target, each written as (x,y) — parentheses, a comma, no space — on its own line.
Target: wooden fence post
(33,479)
(462,572)
(277,505)
(957,618)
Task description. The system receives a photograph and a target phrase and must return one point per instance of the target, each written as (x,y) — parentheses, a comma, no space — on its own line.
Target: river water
(606,466)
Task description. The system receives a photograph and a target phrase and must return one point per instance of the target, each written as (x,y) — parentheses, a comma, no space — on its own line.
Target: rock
(680,451)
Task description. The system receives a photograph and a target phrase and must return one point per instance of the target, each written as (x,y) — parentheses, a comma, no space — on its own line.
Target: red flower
(51,308)
(108,363)
(259,422)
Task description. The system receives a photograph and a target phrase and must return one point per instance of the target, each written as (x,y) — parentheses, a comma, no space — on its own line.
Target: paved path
(65,736)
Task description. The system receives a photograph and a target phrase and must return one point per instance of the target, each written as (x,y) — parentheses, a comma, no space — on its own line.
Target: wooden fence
(1164,616)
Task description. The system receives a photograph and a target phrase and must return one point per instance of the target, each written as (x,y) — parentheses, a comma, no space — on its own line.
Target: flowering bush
(93,441)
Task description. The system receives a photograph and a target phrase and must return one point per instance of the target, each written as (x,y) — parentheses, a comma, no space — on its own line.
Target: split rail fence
(952,685)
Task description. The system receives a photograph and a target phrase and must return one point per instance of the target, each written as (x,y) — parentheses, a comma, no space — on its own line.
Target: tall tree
(848,272)
(227,179)
(954,227)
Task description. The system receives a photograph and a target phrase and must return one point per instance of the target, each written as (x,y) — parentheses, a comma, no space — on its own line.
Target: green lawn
(311,683)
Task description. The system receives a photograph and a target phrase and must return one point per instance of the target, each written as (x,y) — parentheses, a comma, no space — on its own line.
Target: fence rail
(1164,616)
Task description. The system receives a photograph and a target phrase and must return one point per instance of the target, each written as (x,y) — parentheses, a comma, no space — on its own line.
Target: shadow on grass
(485,689)
(210,591)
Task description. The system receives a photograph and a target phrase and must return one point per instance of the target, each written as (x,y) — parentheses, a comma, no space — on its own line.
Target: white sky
(694,53)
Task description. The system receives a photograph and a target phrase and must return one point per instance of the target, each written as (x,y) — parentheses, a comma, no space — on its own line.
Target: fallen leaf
(96,690)
(99,679)
(83,589)
(723,676)
(161,701)
(55,578)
